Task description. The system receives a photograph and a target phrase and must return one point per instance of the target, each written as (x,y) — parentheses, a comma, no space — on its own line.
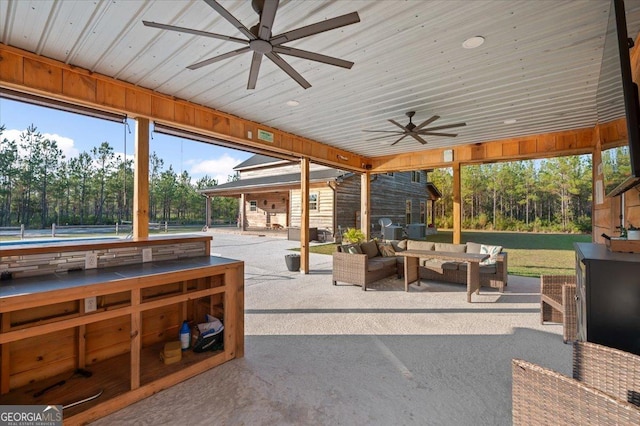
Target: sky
(75,133)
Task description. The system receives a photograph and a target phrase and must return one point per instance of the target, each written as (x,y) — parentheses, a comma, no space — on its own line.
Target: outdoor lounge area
(318,354)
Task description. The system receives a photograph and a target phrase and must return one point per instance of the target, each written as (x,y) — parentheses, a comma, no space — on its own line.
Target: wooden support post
(136,339)
(304,218)
(243,211)
(457,204)
(141,180)
(207,209)
(365,197)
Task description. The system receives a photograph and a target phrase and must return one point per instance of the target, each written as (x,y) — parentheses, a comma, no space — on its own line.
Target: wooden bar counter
(47,335)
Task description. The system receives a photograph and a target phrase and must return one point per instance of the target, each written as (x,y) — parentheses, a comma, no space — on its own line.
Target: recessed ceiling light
(510,121)
(293,103)
(473,42)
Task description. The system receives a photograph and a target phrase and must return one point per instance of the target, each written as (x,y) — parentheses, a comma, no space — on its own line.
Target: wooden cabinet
(46,334)
(608,297)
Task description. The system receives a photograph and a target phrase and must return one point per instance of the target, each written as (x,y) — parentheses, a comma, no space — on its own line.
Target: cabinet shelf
(121,343)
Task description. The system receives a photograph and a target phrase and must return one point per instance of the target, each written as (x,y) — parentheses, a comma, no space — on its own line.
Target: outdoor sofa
(362,264)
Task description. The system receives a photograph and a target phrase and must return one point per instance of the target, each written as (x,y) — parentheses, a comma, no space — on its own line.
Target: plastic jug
(185,336)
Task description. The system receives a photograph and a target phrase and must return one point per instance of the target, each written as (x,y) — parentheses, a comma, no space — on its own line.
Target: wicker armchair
(604,390)
(558,304)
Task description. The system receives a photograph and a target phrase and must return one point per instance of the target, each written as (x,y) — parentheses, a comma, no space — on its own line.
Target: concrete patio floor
(318,354)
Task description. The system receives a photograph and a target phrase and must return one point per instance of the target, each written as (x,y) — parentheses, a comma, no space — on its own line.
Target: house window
(408,212)
(313,201)
(389,174)
(423,218)
(415,176)
(253,206)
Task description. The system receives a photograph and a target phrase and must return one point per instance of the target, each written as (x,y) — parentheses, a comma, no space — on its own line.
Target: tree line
(530,195)
(40,187)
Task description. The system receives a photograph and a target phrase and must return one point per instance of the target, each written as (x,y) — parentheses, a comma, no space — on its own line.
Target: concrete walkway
(318,354)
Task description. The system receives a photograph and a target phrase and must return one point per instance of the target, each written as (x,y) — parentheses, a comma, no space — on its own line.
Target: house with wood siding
(270,196)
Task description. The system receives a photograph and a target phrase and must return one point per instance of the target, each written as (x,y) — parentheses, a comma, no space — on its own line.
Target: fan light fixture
(473,42)
(416,132)
(260,41)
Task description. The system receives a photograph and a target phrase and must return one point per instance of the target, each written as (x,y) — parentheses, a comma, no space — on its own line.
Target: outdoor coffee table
(412,266)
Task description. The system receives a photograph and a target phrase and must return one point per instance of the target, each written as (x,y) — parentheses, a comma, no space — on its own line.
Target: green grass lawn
(530,254)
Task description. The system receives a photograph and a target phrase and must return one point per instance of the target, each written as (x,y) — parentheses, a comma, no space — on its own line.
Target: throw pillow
(370,248)
(351,248)
(492,251)
(386,250)
(473,247)
(399,245)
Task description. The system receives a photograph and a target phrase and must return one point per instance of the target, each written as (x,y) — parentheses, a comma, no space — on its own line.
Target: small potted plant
(353,235)
(633,233)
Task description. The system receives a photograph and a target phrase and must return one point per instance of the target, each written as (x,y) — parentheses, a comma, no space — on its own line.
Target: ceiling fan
(261,42)
(416,131)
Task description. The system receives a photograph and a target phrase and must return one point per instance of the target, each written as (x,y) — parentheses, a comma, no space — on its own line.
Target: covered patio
(318,354)
(326,354)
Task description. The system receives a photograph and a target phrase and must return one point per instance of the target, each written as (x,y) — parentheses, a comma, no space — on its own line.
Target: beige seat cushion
(473,247)
(451,248)
(419,245)
(378,263)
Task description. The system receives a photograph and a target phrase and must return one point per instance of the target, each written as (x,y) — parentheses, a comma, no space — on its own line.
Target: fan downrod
(410,126)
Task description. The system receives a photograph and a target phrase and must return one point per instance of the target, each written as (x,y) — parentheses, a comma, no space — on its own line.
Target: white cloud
(65,144)
(219,168)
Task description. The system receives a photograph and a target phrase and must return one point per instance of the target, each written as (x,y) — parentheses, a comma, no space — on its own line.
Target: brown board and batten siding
(322,217)
(389,195)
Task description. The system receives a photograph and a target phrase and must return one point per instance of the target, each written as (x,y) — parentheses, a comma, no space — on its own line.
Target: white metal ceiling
(540,62)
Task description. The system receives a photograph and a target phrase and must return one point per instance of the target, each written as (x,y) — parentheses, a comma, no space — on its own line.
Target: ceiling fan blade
(229,17)
(218,58)
(426,122)
(384,131)
(267,16)
(446,126)
(403,136)
(318,27)
(255,68)
(284,66)
(312,56)
(449,135)
(192,31)
(383,137)
(418,138)
(399,125)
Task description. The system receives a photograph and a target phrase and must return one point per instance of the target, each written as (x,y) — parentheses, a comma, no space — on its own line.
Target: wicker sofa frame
(558,304)
(459,276)
(603,390)
(352,269)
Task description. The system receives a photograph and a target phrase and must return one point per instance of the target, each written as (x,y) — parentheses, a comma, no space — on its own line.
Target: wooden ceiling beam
(570,142)
(29,73)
